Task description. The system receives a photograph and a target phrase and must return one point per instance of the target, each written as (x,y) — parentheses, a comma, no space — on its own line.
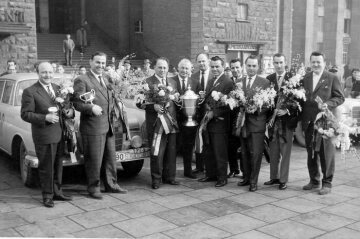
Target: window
(347,23)
(345,53)
(348,4)
(242,12)
(20,89)
(2,83)
(138,26)
(7,92)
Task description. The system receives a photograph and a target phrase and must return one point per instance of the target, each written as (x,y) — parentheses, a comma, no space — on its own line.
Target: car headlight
(136,141)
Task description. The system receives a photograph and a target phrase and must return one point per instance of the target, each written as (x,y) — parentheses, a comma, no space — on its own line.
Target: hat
(127,61)
(147,61)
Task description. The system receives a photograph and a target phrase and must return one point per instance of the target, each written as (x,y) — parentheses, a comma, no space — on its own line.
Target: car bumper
(121,156)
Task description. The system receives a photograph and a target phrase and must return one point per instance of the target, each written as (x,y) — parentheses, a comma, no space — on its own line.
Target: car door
(7,110)
(2,85)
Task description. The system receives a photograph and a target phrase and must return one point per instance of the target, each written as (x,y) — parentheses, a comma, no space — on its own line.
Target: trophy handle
(81,97)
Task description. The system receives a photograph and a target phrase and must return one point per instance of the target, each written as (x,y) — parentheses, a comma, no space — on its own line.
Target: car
(16,139)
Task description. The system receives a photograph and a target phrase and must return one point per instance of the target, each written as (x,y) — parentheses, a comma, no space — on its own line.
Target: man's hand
(323,107)
(97,110)
(158,108)
(210,114)
(52,118)
(281,112)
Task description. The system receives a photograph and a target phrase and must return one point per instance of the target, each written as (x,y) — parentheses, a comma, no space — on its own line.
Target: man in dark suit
(281,131)
(203,76)
(68,48)
(253,131)
(162,165)
(46,132)
(218,127)
(96,127)
(327,86)
(234,141)
(187,133)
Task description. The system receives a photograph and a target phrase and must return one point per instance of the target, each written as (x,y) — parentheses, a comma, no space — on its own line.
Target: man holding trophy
(39,108)
(93,98)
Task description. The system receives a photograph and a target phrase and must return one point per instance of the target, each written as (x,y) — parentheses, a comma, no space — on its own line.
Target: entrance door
(64,16)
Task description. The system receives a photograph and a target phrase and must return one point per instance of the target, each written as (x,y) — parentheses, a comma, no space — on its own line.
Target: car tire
(29,175)
(131,168)
(299,135)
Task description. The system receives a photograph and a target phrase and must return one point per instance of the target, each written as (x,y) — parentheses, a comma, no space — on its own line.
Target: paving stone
(107,231)
(66,225)
(90,204)
(135,195)
(41,229)
(269,213)
(274,192)
(175,201)
(342,233)
(252,199)
(346,191)
(298,205)
(235,223)
(252,235)
(235,189)
(9,233)
(290,230)
(4,207)
(354,226)
(11,219)
(43,213)
(355,183)
(329,199)
(194,184)
(345,210)
(149,225)
(323,221)
(166,189)
(185,215)
(18,193)
(140,209)
(221,207)
(208,194)
(98,218)
(197,230)
(156,236)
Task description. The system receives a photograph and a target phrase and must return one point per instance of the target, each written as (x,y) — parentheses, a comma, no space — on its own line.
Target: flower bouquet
(260,99)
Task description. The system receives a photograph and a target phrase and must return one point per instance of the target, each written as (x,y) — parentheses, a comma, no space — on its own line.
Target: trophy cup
(88,97)
(189,103)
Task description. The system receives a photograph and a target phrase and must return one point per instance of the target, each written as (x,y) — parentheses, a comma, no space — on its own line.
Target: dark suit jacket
(256,123)
(196,77)
(328,89)
(89,123)
(35,103)
(220,123)
(150,113)
(292,119)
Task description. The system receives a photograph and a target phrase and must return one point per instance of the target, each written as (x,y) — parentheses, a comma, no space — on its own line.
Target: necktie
(202,81)
(278,81)
(101,82)
(51,94)
(183,85)
(164,82)
(248,84)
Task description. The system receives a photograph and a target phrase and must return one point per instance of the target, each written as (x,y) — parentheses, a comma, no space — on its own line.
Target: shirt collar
(45,86)
(96,75)
(318,75)
(160,79)
(282,75)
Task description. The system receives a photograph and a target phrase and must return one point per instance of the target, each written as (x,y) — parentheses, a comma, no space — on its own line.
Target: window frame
(246,12)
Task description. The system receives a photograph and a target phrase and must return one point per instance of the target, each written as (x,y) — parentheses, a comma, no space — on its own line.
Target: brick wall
(22,46)
(299,28)
(167,28)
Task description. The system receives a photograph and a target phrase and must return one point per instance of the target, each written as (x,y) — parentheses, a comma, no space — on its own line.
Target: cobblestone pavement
(190,210)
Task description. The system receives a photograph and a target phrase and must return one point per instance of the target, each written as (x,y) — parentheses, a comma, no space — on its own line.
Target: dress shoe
(117,189)
(197,171)
(233,174)
(253,187)
(310,186)
(207,179)
(221,183)
(48,202)
(155,186)
(243,183)
(272,182)
(190,175)
(171,182)
(96,195)
(324,190)
(62,198)
(282,186)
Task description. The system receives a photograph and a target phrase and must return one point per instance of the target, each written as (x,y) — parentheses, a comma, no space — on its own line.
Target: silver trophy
(189,104)
(88,97)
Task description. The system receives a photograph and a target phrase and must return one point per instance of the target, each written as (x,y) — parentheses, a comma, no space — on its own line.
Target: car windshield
(20,89)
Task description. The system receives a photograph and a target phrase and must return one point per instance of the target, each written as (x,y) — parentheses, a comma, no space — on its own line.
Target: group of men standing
(221,144)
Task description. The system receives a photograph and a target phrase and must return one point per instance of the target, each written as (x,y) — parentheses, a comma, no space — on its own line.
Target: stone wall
(19,46)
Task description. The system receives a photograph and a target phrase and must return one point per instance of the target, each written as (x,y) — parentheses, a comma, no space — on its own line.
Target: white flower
(161,93)
(59,100)
(64,91)
(172,97)
(231,102)
(170,88)
(239,85)
(215,95)
(70,90)
(146,87)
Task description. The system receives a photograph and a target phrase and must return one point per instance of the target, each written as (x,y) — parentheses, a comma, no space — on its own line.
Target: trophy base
(190,123)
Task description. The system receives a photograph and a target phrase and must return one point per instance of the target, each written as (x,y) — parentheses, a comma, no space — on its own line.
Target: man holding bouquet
(253,130)
(281,126)
(162,138)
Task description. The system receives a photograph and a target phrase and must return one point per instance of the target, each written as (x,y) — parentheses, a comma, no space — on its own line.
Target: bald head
(45,72)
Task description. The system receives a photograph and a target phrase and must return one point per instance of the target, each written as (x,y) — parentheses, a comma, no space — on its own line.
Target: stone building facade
(18,33)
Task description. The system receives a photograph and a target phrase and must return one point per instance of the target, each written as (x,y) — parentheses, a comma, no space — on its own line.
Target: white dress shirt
(162,80)
(46,88)
(316,79)
(251,81)
(206,77)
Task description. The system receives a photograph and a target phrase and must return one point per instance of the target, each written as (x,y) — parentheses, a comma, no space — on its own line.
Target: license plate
(132,154)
